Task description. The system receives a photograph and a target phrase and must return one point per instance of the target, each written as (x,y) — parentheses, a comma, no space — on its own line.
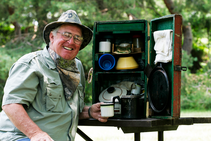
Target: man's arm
(94,112)
(23,122)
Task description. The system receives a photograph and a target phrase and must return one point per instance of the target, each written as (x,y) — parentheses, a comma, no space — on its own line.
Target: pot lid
(110,92)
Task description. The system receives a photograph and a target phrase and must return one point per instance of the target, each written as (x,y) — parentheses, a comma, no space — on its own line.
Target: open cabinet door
(164,88)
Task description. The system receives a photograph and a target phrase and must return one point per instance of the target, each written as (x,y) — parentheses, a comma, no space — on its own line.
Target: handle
(89,80)
(116,97)
(180,68)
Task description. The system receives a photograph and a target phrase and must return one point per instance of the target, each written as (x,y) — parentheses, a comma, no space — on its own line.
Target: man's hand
(96,113)
(41,136)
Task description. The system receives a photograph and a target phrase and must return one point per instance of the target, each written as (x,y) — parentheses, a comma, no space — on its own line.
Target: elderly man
(44,93)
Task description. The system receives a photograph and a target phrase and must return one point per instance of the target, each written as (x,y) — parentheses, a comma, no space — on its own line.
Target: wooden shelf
(120,72)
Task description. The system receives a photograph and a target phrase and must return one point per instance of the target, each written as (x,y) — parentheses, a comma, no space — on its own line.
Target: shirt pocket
(54,97)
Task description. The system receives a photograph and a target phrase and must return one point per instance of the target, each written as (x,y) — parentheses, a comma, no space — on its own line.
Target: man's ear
(51,36)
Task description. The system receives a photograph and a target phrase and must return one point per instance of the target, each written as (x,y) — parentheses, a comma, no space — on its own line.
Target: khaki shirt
(35,83)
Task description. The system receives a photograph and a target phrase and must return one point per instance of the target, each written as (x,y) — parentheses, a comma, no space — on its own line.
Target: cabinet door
(172,22)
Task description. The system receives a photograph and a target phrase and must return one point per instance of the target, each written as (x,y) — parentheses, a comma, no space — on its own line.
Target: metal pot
(131,106)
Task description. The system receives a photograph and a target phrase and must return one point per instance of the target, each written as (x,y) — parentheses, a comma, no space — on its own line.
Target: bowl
(126,63)
(124,45)
(106,62)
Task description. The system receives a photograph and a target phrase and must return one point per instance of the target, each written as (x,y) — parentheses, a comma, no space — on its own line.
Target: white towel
(163,46)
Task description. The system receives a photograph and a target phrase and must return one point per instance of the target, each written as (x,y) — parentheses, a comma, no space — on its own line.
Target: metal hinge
(180,68)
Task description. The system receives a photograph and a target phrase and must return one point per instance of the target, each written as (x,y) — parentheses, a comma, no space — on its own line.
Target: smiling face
(65,49)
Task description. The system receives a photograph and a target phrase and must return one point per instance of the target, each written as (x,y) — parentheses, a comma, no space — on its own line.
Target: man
(43,95)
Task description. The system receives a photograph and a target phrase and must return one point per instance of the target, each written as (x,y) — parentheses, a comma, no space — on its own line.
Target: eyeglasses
(67,36)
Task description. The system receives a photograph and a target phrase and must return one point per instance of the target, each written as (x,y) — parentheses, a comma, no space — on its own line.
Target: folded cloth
(163,46)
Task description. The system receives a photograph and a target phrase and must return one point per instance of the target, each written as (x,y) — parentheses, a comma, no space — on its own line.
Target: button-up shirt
(35,83)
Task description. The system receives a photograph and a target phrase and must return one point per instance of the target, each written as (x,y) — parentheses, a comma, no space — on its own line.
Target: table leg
(160,135)
(83,135)
(137,137)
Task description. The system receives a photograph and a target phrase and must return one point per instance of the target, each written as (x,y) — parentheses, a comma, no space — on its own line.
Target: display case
(134,38)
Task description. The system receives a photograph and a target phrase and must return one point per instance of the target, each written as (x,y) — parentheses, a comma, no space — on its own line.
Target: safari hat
(71,17)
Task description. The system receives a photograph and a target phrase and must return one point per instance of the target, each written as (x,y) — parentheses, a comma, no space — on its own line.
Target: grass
(196,132)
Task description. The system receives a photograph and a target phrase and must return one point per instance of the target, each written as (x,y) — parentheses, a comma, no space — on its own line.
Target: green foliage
(202,51)
(6,62)
(196,88)
(12,52)
(196,91)
(5,32)
(187,60)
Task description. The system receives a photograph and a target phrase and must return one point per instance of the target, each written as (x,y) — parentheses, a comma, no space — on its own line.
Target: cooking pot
(132,106)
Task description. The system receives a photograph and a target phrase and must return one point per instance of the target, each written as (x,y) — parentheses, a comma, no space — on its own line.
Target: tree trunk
(15,23)
(187,43)
(17,29)
(101,6)
(170,6)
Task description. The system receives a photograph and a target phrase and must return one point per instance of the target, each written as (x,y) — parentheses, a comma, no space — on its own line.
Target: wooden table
(137,126)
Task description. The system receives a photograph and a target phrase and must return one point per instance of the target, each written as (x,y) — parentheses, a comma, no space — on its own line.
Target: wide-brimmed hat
(71,17)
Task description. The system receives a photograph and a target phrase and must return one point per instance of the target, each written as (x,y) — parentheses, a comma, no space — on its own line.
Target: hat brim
(86,31)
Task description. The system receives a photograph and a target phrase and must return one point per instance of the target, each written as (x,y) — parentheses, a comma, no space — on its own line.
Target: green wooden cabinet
(122,32)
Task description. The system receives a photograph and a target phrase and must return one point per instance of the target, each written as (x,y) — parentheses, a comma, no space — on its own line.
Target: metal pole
(160,135)
(137,137)
(83,135)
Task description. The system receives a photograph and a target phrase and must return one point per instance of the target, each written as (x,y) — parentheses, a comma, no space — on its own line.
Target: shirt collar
(48,58)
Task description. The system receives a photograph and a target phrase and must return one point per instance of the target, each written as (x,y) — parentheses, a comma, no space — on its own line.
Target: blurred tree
(15,23)
(196,14)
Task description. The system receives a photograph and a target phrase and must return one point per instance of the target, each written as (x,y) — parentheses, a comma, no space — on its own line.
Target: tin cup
(106,62)
(107,109)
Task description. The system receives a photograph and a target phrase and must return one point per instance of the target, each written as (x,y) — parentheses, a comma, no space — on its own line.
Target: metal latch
(180,68)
